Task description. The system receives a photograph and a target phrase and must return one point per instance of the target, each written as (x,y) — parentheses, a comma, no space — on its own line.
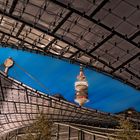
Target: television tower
(81,87)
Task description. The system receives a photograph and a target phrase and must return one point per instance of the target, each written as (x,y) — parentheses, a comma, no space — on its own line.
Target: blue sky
(105,94)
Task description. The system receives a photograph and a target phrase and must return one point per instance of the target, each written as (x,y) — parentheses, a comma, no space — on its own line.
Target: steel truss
(58,39)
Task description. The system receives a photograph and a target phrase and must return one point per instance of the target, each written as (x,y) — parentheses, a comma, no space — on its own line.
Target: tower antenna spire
(81,87)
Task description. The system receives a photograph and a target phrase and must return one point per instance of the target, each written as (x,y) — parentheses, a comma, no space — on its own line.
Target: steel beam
(57,27)
(96,47)
(102,42)
(126,62)
(49,44)
(20,30)
(94,137)
(134,35)
(98,8)
(62,22)
(2,93)
(69,133)
(2,37)
(14,3)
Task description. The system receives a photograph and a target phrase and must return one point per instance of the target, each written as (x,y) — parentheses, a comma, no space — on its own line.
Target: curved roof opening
(52,76)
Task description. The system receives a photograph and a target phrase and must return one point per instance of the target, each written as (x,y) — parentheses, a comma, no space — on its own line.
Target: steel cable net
(20,105)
